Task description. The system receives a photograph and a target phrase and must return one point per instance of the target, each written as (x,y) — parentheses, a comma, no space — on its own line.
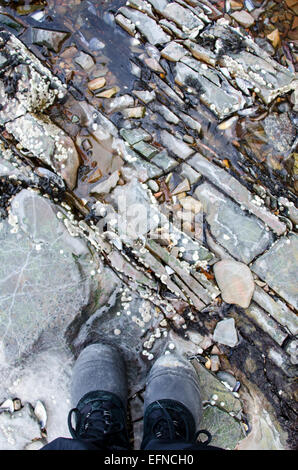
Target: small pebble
(208,364)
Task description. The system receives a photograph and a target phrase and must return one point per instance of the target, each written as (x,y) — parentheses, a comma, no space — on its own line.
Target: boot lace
(95,422)
(171,425)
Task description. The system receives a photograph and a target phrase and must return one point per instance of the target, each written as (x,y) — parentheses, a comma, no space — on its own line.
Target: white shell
(41,414)
(8,404)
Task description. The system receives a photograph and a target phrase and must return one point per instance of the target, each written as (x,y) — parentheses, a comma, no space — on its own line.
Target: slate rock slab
(226,432)
(243,235)
(51,39)
(45,278)
(278,267)
(225,332)
(147,26)
(233,188)
(210,386)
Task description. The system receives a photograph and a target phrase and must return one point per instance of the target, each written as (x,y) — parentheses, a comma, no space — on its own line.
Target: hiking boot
(99,393)
(172,402)
(99,367)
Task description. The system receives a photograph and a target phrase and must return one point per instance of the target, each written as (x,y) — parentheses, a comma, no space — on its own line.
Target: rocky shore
(147,198)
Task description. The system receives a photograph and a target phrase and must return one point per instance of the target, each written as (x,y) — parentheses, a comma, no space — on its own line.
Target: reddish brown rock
(235,281)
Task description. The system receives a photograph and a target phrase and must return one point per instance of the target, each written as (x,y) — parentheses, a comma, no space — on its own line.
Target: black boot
(100,390)
(173,406)
(100,421)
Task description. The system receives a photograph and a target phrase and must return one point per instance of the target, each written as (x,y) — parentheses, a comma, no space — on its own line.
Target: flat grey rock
(139,168)
(45,279)
(233,188)
(225,430)
(177,146)
(119,103)
(277,309)
(173,51)
(45,376)
(225,332)
(51,39)
(221,100)
(243,236)
(210,385)
(278,267)
(104,187)
(85,61)
(267,324)
(146,25)
(183,17)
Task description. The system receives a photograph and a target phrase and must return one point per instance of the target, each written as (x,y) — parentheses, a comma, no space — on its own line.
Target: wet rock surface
(38,290)
(19,429)
(148,176)
(243,237)
(266,266)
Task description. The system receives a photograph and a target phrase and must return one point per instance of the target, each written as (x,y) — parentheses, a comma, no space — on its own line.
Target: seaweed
(231,44)
(195,84)
(8,188)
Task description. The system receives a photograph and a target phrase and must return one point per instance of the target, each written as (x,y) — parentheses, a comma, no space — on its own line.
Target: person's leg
(173,407)
(99,394)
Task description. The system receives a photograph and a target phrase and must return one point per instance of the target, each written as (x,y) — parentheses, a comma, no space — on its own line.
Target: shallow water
(242,146)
